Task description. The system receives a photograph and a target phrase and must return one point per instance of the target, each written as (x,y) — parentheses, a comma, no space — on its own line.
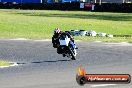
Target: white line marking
(24,39)
(119,44)
(42,40)
(102,85)
(4,66)
(14,64)
(19,39)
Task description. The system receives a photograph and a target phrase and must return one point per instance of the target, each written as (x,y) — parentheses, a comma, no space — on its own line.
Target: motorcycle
(66,48)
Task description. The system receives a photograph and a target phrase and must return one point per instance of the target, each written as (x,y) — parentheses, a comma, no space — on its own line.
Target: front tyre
(72,54)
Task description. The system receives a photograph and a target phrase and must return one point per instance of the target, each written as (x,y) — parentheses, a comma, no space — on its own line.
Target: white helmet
(57,30)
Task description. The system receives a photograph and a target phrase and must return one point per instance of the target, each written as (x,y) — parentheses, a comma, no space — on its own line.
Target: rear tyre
(63,55)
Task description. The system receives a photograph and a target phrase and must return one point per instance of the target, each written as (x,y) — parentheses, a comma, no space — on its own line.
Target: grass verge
(4,63)
(39,24)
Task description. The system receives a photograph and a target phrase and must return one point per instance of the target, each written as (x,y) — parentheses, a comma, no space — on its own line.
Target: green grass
(4,63)
(39,24)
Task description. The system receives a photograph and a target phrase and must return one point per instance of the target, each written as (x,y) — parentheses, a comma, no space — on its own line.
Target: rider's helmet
(57,31)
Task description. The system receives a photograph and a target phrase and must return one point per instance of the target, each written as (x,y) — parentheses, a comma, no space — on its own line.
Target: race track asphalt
(41,67)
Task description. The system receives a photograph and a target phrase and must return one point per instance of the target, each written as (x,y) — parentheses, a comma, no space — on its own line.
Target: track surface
(41,67)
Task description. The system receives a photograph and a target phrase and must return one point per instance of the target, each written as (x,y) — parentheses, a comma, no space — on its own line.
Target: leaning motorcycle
(66,48)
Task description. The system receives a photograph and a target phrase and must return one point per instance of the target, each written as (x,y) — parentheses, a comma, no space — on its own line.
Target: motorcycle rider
(55,39)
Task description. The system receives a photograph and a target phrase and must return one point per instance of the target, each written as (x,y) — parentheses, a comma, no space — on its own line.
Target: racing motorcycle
(65,48)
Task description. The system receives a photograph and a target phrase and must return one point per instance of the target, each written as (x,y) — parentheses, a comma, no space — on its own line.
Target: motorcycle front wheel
(72,54)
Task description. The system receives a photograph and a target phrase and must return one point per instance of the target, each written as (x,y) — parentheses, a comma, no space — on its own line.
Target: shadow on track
(52,61)
(48,61)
